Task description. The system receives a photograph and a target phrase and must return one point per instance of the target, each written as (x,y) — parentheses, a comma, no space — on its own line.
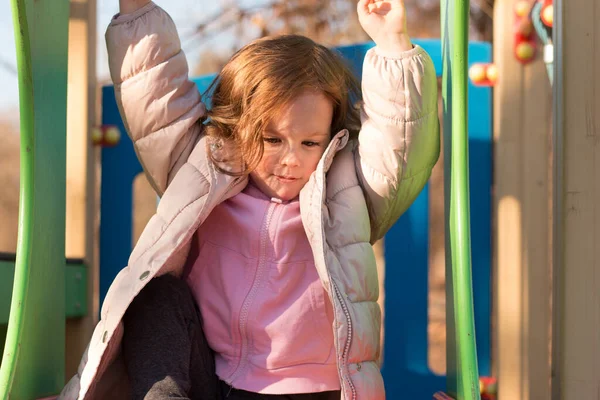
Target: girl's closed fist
(385,22)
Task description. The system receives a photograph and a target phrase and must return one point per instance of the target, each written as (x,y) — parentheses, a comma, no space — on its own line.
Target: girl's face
(294,142)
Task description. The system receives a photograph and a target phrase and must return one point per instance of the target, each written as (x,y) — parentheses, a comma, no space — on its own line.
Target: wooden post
(576,356)
(522,127)
(81,197)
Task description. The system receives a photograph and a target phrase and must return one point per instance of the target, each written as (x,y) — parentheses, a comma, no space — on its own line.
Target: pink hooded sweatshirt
(264,309)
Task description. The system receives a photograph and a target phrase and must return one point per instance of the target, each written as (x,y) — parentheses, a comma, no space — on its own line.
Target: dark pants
(166,352)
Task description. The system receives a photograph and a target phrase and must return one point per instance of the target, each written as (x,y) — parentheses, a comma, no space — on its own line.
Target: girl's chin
(284,191)
(286,195)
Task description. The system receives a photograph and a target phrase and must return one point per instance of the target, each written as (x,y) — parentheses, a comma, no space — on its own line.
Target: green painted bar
(75,293)
(34,354)
(461,361)
(75,290)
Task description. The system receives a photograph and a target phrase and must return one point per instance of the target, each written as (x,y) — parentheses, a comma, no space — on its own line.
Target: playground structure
(526,223)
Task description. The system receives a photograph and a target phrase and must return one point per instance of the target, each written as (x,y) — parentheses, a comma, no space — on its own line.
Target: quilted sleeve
(399,141)
(160,106)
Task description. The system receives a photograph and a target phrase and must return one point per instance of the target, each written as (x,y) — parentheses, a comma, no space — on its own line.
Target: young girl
(256,278)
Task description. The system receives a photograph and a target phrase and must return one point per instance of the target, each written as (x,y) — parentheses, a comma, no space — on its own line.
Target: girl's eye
(272,140)
(311,144)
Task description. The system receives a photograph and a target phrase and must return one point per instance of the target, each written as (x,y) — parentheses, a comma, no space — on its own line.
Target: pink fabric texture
(265,312)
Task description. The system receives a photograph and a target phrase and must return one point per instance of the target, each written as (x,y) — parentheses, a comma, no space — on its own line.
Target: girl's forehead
(309,112)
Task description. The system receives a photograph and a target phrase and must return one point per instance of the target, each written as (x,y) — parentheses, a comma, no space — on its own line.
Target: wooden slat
(522,115)
(81,170)
(536,199)
(508,348)
(578,360)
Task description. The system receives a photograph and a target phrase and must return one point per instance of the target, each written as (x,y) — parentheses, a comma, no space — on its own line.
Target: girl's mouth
(286,179)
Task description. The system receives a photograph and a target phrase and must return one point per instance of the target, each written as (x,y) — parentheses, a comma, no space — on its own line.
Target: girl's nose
(291,158)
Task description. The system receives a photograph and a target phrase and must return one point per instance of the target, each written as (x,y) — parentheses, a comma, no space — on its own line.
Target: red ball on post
(106,135)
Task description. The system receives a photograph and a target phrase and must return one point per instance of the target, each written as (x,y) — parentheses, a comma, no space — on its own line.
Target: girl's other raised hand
(129,6)
(385,22)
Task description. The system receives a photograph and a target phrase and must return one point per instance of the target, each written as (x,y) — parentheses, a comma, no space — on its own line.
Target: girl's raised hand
(129,6)
(385,22)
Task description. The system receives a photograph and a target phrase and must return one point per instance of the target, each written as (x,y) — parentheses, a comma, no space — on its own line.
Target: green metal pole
(33,361)
(24,243)
(463,376)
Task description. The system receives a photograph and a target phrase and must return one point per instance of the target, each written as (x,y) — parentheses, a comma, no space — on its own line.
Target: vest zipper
(243,322)
(348,339)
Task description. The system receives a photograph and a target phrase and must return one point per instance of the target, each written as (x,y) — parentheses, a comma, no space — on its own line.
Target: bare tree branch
(331,22)
(8,66)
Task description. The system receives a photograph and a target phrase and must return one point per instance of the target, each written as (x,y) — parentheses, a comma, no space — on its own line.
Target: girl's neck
(252,190)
